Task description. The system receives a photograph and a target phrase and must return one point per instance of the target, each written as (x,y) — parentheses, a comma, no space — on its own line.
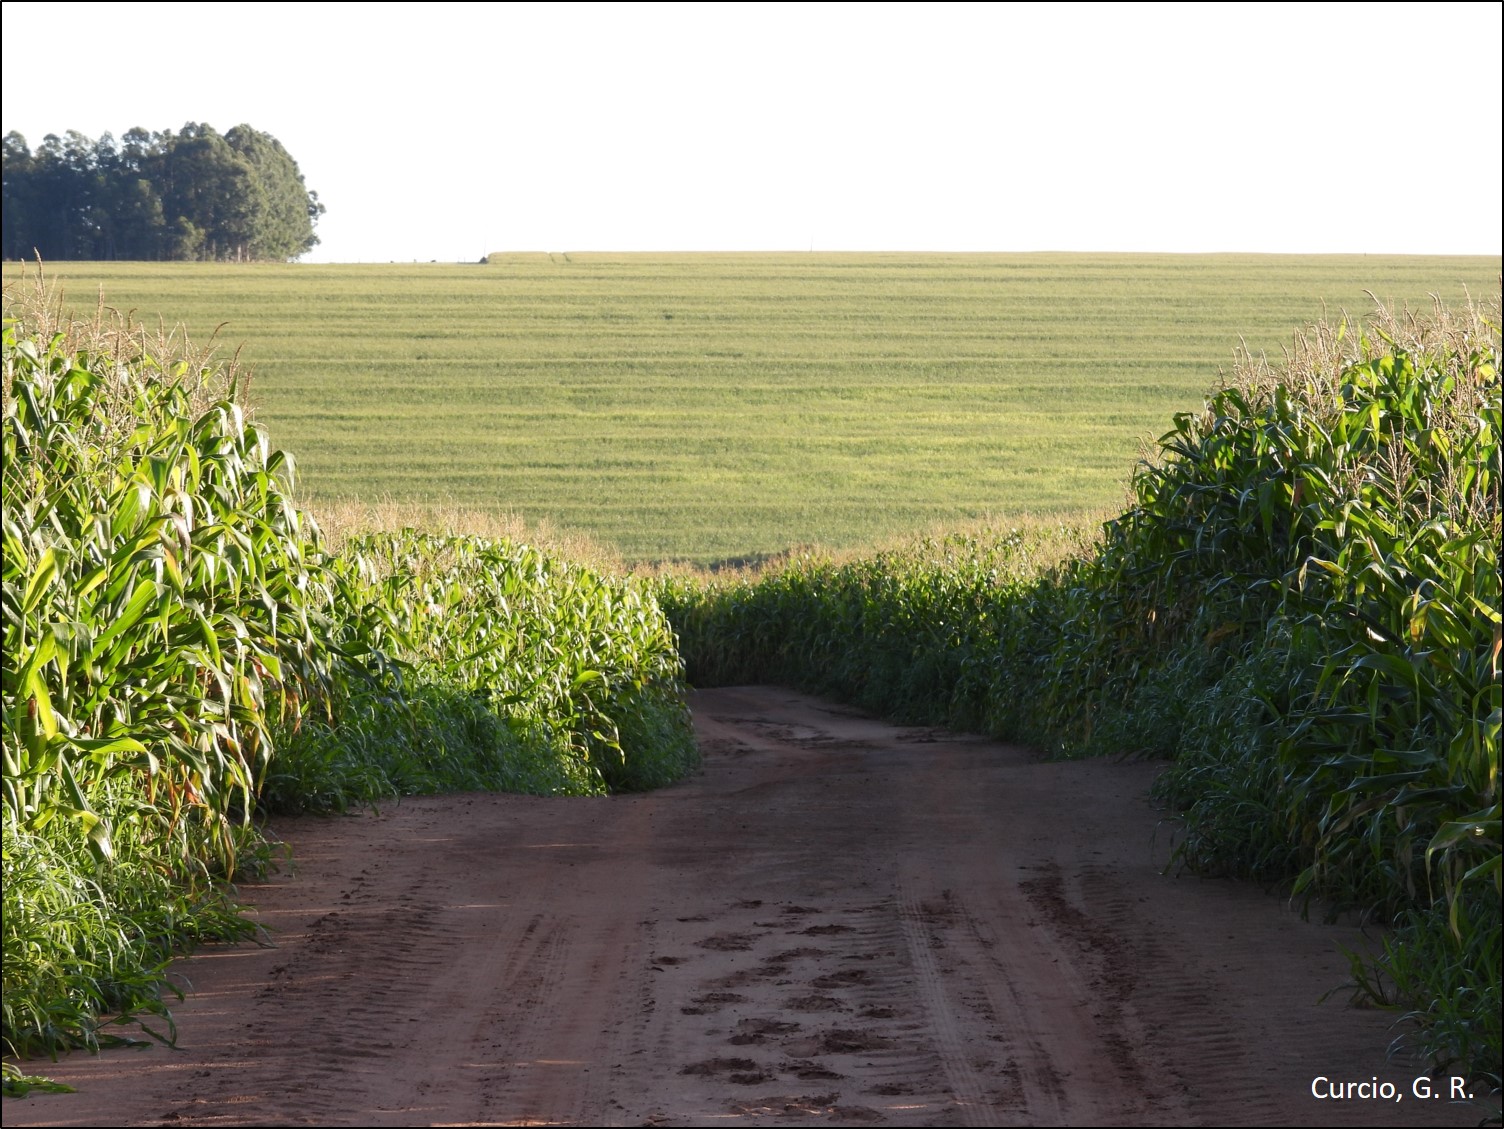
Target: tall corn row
(157,605)
(586,664)
(159,619)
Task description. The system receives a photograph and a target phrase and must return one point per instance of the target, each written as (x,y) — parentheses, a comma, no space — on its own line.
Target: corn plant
(158,617)
(157,612)
(583,664)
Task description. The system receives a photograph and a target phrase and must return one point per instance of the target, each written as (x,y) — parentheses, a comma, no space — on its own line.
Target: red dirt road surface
(835,922)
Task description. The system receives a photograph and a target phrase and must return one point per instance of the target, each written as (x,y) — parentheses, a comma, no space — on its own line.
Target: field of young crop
(711,407)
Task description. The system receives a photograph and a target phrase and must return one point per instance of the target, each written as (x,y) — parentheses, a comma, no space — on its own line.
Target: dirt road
(835,922)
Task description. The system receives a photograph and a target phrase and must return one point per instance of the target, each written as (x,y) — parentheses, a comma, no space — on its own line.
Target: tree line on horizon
(193,195)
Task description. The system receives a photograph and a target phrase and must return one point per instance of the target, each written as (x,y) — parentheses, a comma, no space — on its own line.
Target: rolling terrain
(713,407)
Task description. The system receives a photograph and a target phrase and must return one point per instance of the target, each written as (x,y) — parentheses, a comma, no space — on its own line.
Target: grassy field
(713,407)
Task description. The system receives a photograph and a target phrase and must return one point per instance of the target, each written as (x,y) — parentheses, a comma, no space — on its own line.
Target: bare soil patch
(996,945)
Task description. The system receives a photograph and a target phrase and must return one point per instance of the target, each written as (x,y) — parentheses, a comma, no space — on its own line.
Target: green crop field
(709,407)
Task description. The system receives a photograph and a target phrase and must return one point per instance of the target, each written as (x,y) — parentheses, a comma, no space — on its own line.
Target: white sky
(451,130)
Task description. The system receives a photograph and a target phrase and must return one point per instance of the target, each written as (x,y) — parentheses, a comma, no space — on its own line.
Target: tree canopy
(195,194)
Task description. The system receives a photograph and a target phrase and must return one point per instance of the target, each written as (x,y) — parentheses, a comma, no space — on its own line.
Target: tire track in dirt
(837,921)
(1183,993)
(965,1084)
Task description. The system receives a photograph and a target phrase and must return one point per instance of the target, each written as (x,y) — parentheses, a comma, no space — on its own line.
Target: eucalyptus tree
(194,194)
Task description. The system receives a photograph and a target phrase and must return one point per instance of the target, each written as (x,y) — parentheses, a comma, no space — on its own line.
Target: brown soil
(836,922)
